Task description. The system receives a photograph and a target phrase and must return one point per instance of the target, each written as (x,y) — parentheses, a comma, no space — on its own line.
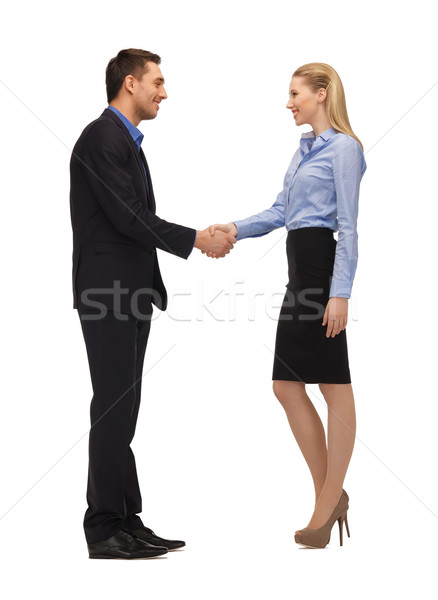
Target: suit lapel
(151,189)
(148,199)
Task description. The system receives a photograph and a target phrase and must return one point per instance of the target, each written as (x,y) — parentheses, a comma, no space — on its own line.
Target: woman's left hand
(335,316)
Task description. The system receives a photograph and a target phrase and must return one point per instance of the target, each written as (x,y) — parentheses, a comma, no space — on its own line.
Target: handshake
(216,240)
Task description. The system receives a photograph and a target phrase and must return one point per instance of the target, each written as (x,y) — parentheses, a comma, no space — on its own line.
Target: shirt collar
(325,135)
(136,134)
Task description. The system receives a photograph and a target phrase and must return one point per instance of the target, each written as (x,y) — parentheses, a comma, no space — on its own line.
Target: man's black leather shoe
(147,535)
(124,545)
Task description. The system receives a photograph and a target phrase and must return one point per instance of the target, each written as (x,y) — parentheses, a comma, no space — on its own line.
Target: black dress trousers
(116,345)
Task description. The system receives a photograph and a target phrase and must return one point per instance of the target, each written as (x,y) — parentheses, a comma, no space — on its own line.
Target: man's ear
(129,84)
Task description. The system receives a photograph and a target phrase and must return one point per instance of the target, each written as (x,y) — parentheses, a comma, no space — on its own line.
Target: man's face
(149,92)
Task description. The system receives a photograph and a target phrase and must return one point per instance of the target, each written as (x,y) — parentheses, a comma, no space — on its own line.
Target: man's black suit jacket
(115,228)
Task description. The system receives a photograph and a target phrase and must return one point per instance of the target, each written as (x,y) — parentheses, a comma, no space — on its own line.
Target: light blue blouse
(320,189)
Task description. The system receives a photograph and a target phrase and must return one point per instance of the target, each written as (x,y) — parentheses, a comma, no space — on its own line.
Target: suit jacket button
(153,252)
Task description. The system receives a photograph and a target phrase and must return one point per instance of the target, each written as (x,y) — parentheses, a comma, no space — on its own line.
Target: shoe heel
(346,525)
(341,520)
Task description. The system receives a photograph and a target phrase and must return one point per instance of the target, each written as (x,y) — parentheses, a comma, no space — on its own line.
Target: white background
(218,465)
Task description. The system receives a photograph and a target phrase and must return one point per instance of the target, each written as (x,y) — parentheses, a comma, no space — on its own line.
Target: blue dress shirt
(320,189)
(137,136)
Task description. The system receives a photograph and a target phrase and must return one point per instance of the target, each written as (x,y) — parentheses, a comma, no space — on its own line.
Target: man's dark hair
(127,62)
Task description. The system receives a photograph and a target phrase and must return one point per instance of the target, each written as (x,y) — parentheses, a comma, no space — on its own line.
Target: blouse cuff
(340,289)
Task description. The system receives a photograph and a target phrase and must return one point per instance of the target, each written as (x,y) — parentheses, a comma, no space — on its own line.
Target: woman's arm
(348,168)
(256,225)
(263,222)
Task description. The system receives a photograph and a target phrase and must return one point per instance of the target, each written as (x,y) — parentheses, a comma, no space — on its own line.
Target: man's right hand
(218,244)
(229,228)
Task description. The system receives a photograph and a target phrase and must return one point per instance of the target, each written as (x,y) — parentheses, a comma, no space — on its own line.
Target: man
(116,279)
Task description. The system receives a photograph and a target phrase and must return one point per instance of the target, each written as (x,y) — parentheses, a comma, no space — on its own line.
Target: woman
(320,196)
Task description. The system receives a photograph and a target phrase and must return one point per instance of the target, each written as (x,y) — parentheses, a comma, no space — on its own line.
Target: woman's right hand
(226,228)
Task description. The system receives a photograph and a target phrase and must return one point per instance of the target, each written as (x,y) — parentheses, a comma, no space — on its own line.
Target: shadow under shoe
(126,546)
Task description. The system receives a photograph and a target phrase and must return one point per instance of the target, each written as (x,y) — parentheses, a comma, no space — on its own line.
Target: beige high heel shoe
(319,538)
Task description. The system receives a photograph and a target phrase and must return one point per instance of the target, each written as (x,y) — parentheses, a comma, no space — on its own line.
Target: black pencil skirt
(303,352)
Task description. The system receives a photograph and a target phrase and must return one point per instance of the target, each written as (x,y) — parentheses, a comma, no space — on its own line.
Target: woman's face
(303,102)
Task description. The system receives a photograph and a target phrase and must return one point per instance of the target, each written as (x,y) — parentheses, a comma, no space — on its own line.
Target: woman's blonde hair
(320,75)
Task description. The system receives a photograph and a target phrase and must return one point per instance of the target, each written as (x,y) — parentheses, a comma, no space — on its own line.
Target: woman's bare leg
(306,427)
(341,433)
